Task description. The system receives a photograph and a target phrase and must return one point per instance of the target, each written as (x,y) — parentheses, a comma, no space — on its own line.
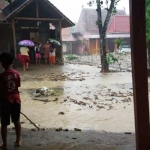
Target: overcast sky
(72,8)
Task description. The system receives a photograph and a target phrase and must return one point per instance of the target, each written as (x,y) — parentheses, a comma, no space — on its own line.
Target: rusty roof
(27,8)
(119,24)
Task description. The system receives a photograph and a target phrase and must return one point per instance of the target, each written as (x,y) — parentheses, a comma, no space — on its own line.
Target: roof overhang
(50,11)
(107,36)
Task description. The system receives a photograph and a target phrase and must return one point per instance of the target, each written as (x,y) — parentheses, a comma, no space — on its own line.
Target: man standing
(32,52)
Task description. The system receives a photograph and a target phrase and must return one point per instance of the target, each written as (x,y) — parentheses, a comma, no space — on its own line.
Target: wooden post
(139,73)
(60,31)
(89,47)
(96,46)
(70,47)
(37,9)
(14,38)
(115,46)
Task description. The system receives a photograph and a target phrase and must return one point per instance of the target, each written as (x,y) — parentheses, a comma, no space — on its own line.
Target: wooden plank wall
(5,44)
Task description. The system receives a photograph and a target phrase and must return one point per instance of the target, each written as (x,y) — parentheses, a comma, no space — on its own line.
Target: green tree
(119,42)
(148,28)
(110,6)
(9,1)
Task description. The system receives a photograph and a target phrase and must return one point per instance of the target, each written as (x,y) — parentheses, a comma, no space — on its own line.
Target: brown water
(83,96)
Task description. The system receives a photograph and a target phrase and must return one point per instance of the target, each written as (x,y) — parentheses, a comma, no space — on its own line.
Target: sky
(72,8)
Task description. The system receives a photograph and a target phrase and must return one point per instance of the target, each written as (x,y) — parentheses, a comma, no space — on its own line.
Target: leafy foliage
(9,1)
(111,58)
(71,57)
(119,42)
(148,30)
(148,20)
(116,58)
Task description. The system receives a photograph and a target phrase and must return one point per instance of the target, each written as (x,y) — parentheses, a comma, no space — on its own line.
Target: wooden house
(26,19)
(69,42)
(119,27)
(88,32)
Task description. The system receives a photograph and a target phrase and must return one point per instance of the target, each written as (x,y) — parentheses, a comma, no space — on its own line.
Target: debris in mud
(65,129)
(59,129)
(61,113)
(77,129)
(100,107)
(127,132)
(44,91)
(56,99)
(79,103)
(33,130)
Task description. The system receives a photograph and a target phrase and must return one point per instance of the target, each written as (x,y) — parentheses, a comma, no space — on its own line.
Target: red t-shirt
(9,83)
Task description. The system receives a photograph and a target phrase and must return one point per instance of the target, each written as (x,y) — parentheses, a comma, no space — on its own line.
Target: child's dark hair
(6,58)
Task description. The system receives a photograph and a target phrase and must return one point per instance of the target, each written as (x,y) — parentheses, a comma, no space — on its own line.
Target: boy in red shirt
(10,103)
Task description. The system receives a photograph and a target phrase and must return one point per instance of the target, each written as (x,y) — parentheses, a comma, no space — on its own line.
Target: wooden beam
(14,38)
(20,9)
(71,47)
(60,30)
(139,73)
(37,9)
(36,19)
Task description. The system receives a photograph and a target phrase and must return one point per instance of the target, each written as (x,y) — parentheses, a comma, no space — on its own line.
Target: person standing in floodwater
(37,53)
(52,55)
(32,52)
(25,59)
(10,103)
(46,49)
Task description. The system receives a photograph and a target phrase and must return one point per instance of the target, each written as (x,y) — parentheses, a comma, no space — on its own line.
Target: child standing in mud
(10,103)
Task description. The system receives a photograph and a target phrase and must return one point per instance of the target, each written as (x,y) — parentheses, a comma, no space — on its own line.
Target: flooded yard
(88,99)
(80,107)
(85,109)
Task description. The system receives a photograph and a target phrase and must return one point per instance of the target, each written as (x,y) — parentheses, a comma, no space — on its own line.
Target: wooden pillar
(139,73)
(14,37)
(96,46)
(115,47)
(37,9)
(70,47)
(60,30)
(89,47)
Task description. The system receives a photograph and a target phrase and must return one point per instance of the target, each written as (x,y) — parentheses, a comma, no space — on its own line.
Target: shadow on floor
(49,139)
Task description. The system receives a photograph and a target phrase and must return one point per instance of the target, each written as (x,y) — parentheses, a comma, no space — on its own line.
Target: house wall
(94,46)
(111,45)
(5,36)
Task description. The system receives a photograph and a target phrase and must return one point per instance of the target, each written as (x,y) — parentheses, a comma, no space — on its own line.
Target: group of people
(33,54)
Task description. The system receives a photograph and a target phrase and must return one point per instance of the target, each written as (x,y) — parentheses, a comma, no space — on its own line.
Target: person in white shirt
(25,59)
(52,55)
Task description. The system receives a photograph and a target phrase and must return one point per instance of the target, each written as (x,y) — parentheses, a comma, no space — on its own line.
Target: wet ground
(86,110)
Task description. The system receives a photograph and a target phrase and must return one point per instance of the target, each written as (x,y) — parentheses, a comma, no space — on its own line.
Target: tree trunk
(103,55)
(102,32)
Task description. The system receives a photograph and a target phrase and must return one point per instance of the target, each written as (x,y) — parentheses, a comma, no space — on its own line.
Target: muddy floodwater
(83,109)
(83,98)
